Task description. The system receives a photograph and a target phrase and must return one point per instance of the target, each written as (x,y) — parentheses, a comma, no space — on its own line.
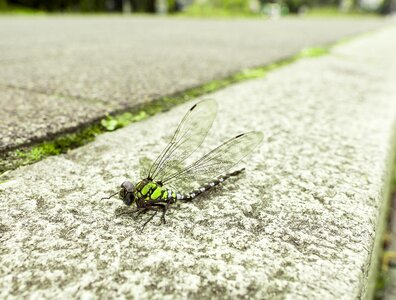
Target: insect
(170,179)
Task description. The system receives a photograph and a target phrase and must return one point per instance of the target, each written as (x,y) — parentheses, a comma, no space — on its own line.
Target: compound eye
(123,193)
(128,200)
(128,186)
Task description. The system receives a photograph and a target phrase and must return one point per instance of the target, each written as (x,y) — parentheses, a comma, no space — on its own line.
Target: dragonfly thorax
(148,190)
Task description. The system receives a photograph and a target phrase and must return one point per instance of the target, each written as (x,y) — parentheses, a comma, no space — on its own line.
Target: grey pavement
(304,222)
(114,63)
(27,116)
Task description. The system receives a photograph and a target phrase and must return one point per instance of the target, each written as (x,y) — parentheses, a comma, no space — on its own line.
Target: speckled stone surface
(300,224)
(123,61)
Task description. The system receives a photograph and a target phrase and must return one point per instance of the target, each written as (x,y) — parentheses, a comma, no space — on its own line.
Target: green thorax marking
(149,190)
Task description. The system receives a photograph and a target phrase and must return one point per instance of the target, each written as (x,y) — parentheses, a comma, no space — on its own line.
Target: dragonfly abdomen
(210,185)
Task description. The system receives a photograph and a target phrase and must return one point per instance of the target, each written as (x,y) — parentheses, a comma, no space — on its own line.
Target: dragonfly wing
(216,162)
(188,136)
(145,164)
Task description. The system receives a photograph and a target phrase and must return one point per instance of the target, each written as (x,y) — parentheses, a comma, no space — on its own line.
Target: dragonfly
(170,178)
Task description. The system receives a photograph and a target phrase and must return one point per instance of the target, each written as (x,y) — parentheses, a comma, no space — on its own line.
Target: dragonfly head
(127,192)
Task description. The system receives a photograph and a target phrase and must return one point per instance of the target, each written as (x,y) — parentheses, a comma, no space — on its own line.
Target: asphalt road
(58,73)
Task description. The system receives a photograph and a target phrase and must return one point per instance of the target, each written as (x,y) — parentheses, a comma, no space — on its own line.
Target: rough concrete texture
(300,224)
(123,61)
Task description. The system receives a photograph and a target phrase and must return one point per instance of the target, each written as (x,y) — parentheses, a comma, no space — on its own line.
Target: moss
(383,277)
(111,123)
(394,178)
(61,144)
(380,285)
(313,52)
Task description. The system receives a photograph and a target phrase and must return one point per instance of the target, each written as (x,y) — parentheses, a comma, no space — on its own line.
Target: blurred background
(247,8)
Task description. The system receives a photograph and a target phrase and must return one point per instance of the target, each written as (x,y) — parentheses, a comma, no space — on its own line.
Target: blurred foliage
(82,5)
(276,8)
(201,7)
(219,7)
(140,6)
(331,11)
(3,4)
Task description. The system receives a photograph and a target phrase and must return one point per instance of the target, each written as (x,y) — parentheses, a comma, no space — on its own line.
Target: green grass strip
(27,155)
(384,277)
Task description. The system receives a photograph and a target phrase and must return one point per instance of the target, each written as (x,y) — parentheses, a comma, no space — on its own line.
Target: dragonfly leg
(160,205)
(141,211)
(152,216)
(164,210)
(106,198)
(164,207)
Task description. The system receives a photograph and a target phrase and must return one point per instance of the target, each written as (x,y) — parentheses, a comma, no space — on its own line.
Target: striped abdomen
(151,191)
(210,185)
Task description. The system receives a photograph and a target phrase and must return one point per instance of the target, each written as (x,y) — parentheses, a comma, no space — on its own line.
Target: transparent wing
(188,136)
(144,166)
(216,162)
